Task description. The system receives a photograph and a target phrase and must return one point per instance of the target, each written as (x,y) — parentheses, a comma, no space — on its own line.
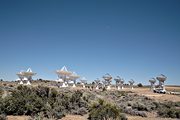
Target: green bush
(140,106)
(123,116)
(1,92)
(140,85)
(168,110)
(3,117)
(177,104)
(104,111)
(35,101)
(22,102)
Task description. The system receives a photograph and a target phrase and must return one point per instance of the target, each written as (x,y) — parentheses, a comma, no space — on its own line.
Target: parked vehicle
(160,91)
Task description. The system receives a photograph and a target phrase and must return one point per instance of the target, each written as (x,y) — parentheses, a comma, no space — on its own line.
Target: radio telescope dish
(63,71)
(152,81)
(161,78)
(83,81)
(73,77)
(117,79)
(107,77)
(26,76)
(97,82)
(131,82)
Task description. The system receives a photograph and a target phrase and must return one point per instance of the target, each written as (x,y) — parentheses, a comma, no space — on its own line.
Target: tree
(140,85)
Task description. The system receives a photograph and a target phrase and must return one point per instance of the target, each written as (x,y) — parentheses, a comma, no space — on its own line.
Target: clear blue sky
(137,39)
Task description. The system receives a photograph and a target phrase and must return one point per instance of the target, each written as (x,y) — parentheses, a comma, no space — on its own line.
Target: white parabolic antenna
(25,74)
(131,82)
(63,71)
(83,80)
(117,79)
(161,78)
(107,77)
(153,81)
(74,76)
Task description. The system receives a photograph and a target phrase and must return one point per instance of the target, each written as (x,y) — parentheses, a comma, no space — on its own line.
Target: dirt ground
(75,117)
(157,96)
(147,118)
(18,117)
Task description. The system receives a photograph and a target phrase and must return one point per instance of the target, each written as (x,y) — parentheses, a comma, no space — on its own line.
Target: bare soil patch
(75,117)
(18,117)
(157,96)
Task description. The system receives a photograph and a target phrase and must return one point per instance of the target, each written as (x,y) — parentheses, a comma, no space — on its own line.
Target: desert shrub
(168,110)
(11,85)
(89,96)
(123,116)
(54,93)
(139,106)
(80,111)
(35,101)
(134,112)
(1,92)
(129,103)
(19,104)
(140,85)
(39,116)
(104,111)
(156,104)
(1,106)
(76,96)
(141,113)
(3,117)
(165,112)
(104,89)
(42,92)
(177,104)
(118,94)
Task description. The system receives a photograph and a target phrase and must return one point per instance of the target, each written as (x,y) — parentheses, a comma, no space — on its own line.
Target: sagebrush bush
(82,111)
(42,100)
(104,111)
(3,117)
(1,92)
(168,110)
(134,112)
(123,116)
(177,104)
(139,106)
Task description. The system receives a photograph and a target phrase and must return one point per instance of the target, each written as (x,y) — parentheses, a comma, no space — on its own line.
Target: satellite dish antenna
(107,77)
(131,82)
(161,78)
(83,81)
(97,82)
(74,77)
(152,81)
(118,82)
(122,83)
(26,76)
(64,74)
